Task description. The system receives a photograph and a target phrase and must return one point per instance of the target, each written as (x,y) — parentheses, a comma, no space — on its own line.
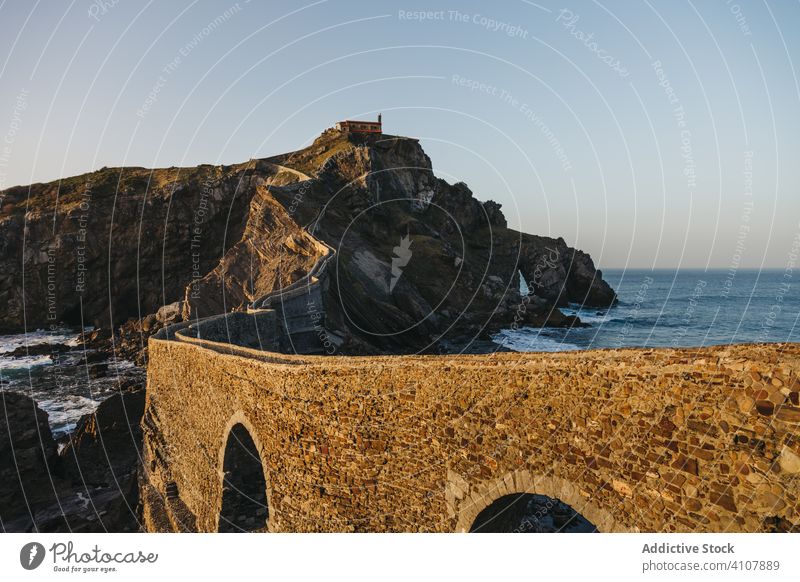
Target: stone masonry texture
(654,440)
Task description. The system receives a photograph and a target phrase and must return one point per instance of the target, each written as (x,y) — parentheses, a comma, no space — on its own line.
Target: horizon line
(679,268)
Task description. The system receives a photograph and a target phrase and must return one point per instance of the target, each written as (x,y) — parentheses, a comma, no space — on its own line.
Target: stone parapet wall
(635,440)
(257,329)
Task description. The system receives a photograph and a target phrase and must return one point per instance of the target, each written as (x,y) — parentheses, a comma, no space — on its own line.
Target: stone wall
(635,440)
(258,329)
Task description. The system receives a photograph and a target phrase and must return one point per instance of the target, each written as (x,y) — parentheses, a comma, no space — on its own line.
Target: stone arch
(244,499)
(481,495)
(530,513)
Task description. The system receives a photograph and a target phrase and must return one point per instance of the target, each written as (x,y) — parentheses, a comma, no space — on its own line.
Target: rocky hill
(418,260)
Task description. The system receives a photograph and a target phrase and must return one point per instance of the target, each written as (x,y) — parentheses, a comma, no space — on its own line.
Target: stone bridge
(242,438)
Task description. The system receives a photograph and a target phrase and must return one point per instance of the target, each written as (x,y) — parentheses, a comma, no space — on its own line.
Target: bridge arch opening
(244,487)
(530,513)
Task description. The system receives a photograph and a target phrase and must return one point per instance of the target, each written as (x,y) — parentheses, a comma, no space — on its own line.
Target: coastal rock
(420,261)
(42,349)
(31,475)
(562,274)
(104,448)
(90,486)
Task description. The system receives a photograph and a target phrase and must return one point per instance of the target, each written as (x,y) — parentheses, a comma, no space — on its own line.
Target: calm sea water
(684,308)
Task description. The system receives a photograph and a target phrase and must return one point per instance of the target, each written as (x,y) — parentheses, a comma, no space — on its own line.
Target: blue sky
(660,133)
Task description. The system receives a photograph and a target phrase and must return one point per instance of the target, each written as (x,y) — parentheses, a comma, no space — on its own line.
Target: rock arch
(244,499)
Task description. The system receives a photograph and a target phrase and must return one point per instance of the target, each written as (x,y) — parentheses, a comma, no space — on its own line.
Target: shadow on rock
(90,486)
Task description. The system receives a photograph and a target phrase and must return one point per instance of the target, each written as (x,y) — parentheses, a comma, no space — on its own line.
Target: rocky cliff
(421,261)
(119,243)
(418,260)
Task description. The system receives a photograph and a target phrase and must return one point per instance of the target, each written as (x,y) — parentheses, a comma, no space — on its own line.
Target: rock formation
(90,486)
(102,459)
(376,196)
(120,243)
(117,243)
(30,468)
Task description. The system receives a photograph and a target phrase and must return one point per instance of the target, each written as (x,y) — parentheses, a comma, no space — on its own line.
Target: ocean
(66,384)
(677,308)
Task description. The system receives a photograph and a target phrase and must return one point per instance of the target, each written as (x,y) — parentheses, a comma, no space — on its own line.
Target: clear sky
(656,133)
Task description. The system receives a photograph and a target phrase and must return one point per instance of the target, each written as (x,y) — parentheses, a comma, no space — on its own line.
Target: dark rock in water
(98,370)
(128,342)
(31,473)
(102,458)
(132,383)
(42,349)
(92,357)
(106,444)
(90,486)
(94,337)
